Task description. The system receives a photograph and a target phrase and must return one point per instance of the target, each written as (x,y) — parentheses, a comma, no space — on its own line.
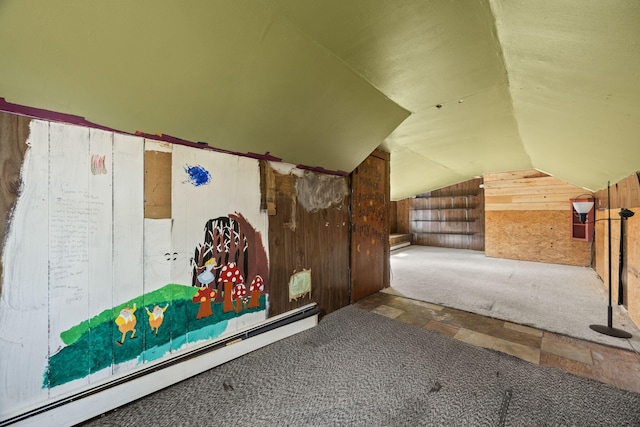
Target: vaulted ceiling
(452,89)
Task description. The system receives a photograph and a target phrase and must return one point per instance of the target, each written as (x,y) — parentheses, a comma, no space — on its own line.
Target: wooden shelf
(451,217)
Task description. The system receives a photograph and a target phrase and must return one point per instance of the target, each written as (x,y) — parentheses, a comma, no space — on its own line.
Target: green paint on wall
(170,292)
(95,348)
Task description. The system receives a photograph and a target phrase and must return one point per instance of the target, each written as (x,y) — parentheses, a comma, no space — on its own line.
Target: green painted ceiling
(453,89)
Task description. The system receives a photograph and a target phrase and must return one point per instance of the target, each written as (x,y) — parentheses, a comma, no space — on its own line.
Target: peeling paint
(316,192)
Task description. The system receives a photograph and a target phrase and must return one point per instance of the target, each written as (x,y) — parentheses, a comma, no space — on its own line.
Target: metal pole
(610,308)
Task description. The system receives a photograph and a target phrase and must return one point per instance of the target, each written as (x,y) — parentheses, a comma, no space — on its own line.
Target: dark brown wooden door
(370,232)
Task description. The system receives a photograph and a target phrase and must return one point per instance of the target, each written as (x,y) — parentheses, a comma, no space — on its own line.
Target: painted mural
(197,312)
(111,289)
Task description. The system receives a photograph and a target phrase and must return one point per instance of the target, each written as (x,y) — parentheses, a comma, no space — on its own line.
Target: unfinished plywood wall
(528,218)
(450,217)
(624,194)
(308,232)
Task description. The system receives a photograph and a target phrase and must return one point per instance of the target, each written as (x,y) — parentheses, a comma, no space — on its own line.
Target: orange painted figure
(126,322)
(156,317)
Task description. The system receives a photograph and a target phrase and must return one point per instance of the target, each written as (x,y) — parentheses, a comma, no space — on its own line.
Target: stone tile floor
(617,367)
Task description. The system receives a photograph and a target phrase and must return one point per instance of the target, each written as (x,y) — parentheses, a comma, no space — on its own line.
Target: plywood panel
(512,191)
(542,206)
(514,175)
(630,272)
(157,273)
(541,236)
(24,306)
(128,225)
(544,184)
(537,204)
(624,193)
(633,266)
(157,184)
(531,199)
(100,245)
(80,255)
(69,227)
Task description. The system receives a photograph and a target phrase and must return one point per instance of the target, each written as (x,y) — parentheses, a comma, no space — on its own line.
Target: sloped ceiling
(452,89)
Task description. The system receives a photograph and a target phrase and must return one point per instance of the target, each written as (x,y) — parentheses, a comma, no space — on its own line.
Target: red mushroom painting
(204,297)
(229,275)
(238,295)
(256,288)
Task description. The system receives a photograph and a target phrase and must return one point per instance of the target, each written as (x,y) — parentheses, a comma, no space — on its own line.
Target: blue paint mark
(197,175)
(206,333)
(154,353)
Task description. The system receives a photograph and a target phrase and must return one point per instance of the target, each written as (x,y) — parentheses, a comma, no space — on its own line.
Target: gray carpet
(558,298)
(360,369)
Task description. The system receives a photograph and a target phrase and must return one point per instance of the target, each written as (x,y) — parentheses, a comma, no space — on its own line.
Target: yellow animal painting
(126,322)
(156,316)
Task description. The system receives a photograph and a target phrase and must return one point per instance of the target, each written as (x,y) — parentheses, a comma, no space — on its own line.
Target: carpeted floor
(361,369)
(558,298)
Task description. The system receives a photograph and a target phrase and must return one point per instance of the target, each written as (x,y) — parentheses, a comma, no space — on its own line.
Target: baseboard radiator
(104,397)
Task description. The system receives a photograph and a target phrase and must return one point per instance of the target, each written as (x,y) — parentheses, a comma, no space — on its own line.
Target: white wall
(78,250)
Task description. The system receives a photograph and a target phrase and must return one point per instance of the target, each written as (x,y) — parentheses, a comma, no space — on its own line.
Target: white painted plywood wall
(79,253)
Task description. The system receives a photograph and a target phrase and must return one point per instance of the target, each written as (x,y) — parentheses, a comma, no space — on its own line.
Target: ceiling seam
(493,7)
(415,153)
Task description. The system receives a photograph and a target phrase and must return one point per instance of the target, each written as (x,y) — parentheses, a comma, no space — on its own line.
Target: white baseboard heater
(104,397)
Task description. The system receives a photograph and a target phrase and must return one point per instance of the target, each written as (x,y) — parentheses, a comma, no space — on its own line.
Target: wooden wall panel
(69,225)
(100,243)
(528,218)
(14,131)
(633,266)
(370,226)
(451,217)
(624,194)
(403,209)
(300,239)
(393,217)
(528,190)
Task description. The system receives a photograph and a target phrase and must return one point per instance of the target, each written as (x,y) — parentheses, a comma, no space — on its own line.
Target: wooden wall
(306,238)
(528,218)
(624,194)
(370,263)
(403,209)
(450,217)
(393,217)
(14,131)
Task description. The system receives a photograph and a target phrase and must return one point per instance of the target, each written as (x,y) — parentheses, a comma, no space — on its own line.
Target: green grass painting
(96,343)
